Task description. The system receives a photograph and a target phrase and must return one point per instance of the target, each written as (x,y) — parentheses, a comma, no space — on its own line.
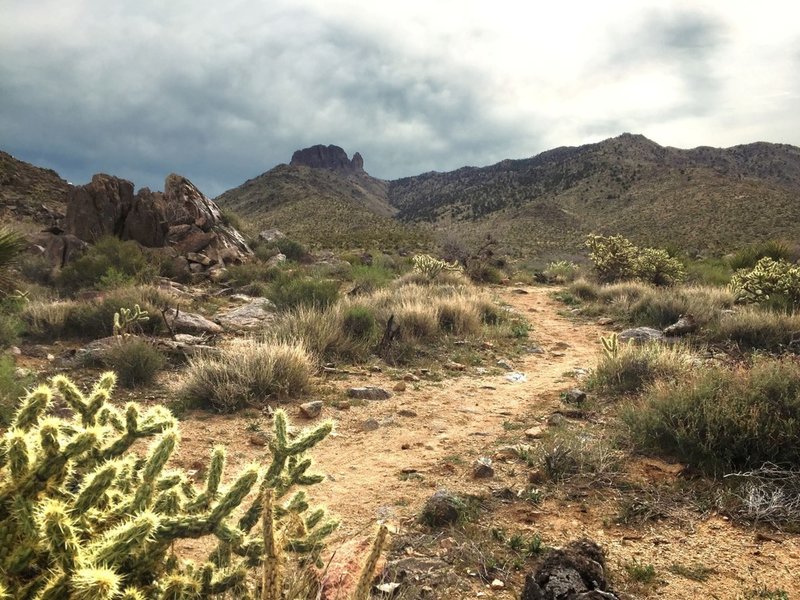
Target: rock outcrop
(181,220)
(327,157)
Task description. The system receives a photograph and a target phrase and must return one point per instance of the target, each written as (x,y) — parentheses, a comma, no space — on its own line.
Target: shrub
(292,250)
(459,316)
(109,261)
(583,289)
(246,373)
(84,515)
(561,271)
(135,360)
(11,388)
(95,318)
(252,272)
(631,368)
(747,258)
(418,320)
(482,273)
(723,419)
(11,246)
(777,282)
(709,271)
(359,323)
(616,258)
(292,293)
(370,278)
(35,268)
(755,329)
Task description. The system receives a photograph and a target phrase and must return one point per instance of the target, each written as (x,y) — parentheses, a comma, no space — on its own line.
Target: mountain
(704,199)
(324,199)
(30,193)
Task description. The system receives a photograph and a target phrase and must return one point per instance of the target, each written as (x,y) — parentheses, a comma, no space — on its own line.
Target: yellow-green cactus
(82,517)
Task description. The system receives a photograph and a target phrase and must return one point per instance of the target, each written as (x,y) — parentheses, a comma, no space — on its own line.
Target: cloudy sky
(222,91)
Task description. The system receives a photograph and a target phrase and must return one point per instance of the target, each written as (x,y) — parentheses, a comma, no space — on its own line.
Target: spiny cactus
(82,517)
(430,267)
(126,319)
(611,345)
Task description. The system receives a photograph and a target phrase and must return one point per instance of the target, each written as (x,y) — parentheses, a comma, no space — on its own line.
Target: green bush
(135,360)
(709,271)
(88,512)
(291,293)
(292,250)
(723,419)
(251,272)
(108,263)
(12,388)
(561,271)
(770,281)
(748,257)
(11,246)
(359,322)
(616,258)
(246,373)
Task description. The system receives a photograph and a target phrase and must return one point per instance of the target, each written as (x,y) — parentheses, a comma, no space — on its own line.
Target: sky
(223,91)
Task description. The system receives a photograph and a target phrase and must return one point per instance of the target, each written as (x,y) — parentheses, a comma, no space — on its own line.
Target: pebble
(482,468)
(259,438)
(400,386)
(534,433)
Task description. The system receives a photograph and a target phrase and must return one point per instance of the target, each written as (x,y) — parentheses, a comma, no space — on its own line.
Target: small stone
(443,508)
(534,433)
(497,584)
(556,420)
(519,291)
(455,366)
(482,468)
(410,377)
(505,364)
(15,351)
(311,410)
(487,345)
(343,404)
(574,396)
(259,438)
(405,412)
(375,369)
(370,425)
(50,357)
(400,386)
(605,321)
(369,393)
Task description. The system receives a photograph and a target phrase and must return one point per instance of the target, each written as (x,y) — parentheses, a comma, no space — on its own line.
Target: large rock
(575,572)
(58,249)
(327,157)
(146,222)
(186,322)
(257,313)
(640,335)
(99,208)
(686,324)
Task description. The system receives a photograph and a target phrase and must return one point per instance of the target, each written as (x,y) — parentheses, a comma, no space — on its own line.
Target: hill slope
(324,202)
(30,193)
(701,199)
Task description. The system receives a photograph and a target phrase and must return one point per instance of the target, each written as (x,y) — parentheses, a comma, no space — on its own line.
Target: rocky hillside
(322,198)
(30,193)
(701,199)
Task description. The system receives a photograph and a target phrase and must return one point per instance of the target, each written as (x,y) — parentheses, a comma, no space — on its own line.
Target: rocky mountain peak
(327,157)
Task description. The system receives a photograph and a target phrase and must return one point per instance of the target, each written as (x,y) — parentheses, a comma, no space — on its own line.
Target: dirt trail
(437,429)
(456,421)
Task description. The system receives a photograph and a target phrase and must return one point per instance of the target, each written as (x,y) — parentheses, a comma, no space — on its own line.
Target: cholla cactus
(768,279)
(81,517)
(611,345)
(430,267)
(126,319)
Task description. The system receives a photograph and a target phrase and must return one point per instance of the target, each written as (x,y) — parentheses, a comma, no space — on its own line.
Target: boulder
(186,322)
(369,393)
(271,235)
(686,324)
(59,249)
(99,208)
(146,221)
(257,313)
(640,335)
(575,572)
(443,508)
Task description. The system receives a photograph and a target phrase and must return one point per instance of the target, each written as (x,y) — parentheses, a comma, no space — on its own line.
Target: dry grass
(755,328)
(247,372)
(634,367)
